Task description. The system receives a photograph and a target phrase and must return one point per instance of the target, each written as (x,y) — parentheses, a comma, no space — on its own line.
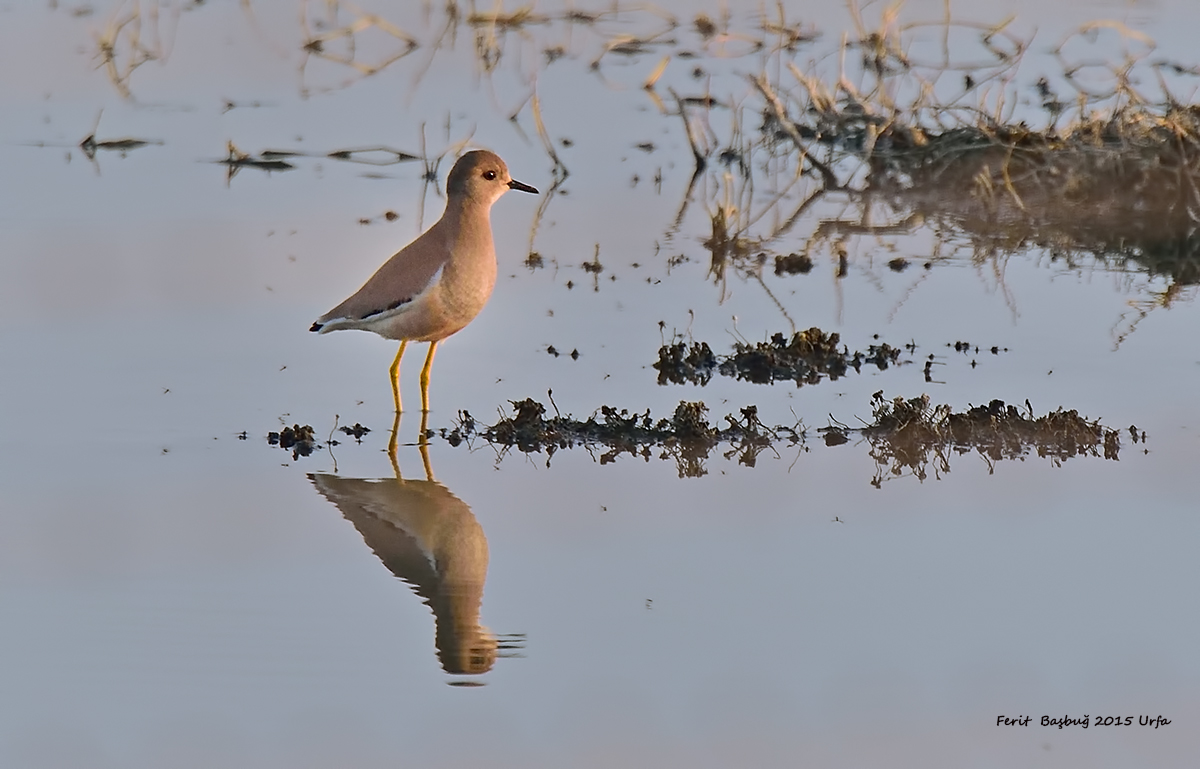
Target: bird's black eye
(489,175)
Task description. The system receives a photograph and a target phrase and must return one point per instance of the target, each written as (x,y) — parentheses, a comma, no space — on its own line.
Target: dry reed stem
(314,43)
(127,30)
(656,73)
(701,158)
(560,168)
(789,127)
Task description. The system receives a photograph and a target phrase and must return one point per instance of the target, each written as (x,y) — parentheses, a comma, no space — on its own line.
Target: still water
(174,594)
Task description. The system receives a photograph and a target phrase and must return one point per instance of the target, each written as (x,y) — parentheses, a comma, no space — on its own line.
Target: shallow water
(175,596)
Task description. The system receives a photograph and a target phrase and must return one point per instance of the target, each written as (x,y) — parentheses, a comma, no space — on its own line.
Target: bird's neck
(460,211)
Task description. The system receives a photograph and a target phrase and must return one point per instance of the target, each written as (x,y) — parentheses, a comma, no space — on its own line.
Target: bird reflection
(431,540)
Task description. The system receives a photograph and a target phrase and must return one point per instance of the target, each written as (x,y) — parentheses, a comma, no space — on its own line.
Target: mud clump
(793,264)
(527,429)
(905,437)
(301,440)
(834,436)
(679,363)
(805,357)
(687,436)
(907,434)
(356,431)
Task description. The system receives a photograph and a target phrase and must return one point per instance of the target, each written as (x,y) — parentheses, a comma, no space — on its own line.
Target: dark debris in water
(236,159)
(278,160)
(806,357)
(905,436)
(968,347)
(90,145)
(687,436)
(793,264)
(375,156)
(387,216)
(301,440)
(679,363)
(357,431)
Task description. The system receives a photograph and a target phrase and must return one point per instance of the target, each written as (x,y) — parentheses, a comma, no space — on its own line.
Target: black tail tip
(316,327)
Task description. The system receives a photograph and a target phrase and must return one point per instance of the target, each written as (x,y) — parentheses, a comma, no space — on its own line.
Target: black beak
(513,184)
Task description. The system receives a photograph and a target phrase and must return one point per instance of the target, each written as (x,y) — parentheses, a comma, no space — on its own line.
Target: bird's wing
(400,281)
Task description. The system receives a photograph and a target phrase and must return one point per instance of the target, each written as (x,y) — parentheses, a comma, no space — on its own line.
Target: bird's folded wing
(399,282)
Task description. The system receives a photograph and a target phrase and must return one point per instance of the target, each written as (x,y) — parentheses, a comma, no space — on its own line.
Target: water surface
(175,596)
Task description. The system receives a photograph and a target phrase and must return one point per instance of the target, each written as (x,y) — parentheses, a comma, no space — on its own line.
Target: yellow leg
(423,447)
(425,376)
(394,371)
(392,444)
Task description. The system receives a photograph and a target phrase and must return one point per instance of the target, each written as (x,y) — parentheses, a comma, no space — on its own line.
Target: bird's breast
(466,284)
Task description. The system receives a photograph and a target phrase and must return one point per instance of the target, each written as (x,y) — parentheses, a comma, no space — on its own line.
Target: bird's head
(482,176)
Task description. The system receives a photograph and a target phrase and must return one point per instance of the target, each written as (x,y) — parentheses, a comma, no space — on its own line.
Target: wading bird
(437,284)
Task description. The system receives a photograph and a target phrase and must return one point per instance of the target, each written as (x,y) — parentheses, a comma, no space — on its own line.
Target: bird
(436,285)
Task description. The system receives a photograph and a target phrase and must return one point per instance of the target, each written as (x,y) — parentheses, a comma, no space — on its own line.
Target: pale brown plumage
(429,538)
(436,285)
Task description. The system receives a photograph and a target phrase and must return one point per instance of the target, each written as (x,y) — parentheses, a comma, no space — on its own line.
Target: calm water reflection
(431,540)
(173,597)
